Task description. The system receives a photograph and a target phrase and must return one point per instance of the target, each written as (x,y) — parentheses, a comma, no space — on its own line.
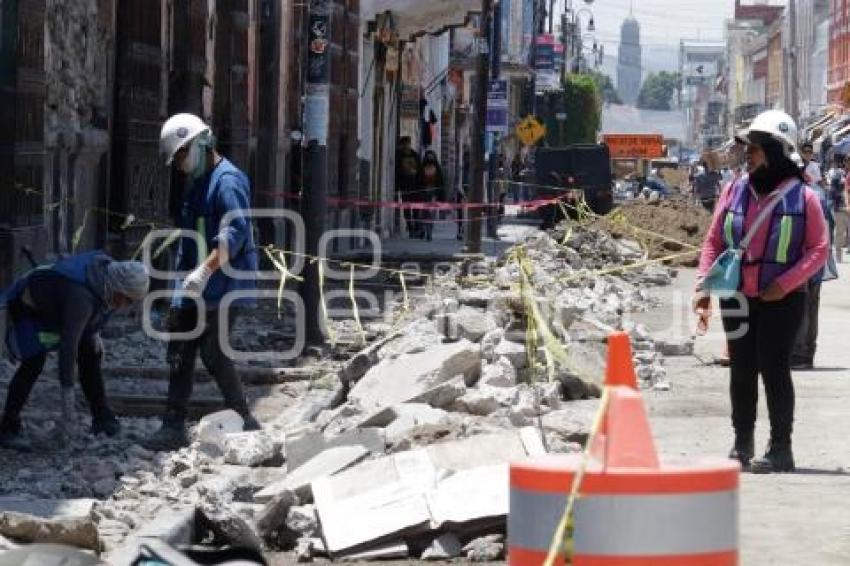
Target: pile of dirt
(666,227)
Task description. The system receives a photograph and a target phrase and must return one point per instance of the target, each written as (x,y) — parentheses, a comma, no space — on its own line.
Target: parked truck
(572,172)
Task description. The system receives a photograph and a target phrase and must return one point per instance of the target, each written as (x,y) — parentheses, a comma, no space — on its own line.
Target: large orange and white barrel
(626,516)
(631,510)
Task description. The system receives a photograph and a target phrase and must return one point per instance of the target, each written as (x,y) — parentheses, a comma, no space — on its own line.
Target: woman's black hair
(779,166)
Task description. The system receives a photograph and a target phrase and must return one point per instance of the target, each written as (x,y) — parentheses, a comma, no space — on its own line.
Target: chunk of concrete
(6,544)
(71,531)
(273,515)
(502,373)
(479,402)
(485,549)
(303,444)
(302,520)
(212,429)
(327,463)
(473,323)
(514,352)
(445,547)
(49,508)
(228,526)
(400,379)
(444,394)
(413,416)
(248,448)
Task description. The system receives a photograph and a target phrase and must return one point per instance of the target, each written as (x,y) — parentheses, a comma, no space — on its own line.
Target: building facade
(838,74)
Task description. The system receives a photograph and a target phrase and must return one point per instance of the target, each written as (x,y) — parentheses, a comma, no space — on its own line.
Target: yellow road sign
(530,131)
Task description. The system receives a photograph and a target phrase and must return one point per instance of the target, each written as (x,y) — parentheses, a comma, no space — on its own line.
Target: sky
(662,24)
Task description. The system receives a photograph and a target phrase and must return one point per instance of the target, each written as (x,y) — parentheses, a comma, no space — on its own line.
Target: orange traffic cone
(625,439)
(620,370)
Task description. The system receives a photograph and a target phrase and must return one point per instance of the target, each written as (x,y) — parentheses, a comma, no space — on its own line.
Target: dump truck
(573,172)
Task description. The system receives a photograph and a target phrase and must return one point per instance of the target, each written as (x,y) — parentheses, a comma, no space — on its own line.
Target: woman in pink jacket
(785,251)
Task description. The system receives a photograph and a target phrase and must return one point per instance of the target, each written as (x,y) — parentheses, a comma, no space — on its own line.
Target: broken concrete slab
(78,532)
(481,402)
(327,463)
(391,510)
(248,448)
(212,429)
(479,450)
(303,520)
(471,495)
(303,444)
(513,352)
(400,379)
(445,547)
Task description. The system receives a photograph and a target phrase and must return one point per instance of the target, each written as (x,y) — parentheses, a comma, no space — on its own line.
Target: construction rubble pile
(672,228)
(400,451)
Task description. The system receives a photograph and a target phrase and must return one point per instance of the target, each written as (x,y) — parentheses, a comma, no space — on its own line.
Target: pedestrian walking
(838,193)
(432,190)
(62,307)
(778,225)
(407,164)
(217,189)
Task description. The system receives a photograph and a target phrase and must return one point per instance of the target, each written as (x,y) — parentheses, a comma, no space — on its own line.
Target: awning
(841,134)
(418,17)
(813,130)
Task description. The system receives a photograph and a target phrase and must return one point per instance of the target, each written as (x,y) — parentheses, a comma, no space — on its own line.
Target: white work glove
(67,425)
(196,281)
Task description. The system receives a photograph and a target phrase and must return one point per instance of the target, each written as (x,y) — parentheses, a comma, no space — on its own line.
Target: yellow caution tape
(355,309)
(561,544)
(331,333)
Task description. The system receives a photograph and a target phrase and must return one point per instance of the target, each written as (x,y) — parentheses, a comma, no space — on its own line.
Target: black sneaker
(170,436)
(105,424)
(778,458)
(743,450)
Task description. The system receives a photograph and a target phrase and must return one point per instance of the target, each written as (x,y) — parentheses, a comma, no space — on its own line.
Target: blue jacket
(224,190)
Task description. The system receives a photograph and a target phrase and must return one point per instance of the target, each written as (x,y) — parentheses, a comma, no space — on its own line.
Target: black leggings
(91,382)
(761,338)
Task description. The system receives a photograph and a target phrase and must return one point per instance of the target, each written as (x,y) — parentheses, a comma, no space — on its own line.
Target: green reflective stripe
(201,227)
(48,339)
(786,226)
(727,229)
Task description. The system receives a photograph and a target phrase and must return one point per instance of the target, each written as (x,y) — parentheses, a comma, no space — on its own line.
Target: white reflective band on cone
(629,525)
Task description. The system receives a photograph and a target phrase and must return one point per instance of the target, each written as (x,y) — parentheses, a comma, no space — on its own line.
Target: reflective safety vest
(26,334)
(787,231)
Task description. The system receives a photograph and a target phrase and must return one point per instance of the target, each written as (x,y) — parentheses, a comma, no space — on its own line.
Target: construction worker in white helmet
(215,188)
(777,222)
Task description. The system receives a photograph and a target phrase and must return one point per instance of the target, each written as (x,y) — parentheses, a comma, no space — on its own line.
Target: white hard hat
(797,159)
(177,132)
(777,124)
(700,170)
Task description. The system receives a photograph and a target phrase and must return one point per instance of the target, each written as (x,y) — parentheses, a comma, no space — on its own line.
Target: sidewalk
(445,245)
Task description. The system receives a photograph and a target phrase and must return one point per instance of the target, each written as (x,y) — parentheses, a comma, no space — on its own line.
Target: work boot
(105,423)
(172,435)
(12,436)
(249,422)
(743,450)
(778,458)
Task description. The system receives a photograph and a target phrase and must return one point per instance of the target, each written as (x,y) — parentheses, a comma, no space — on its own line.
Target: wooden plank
(149,406)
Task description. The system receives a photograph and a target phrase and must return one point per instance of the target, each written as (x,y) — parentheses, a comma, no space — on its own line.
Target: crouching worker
(62,307)
(216,209)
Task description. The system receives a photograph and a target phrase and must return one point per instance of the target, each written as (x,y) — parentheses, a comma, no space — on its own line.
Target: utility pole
(478,129)
(793,107)
(316,120)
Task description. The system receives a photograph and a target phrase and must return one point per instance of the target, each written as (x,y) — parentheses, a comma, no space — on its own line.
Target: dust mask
(194,164)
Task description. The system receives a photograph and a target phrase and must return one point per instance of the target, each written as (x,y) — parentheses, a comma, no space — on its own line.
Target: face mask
(195,162)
